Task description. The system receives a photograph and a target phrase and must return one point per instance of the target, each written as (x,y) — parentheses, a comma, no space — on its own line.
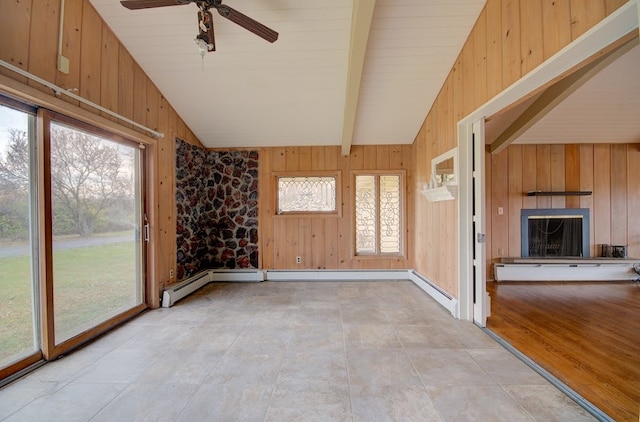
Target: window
(378,214)
(307,194)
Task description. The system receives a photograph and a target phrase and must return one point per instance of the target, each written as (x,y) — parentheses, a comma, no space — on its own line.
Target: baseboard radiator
(177,291)
(449,302)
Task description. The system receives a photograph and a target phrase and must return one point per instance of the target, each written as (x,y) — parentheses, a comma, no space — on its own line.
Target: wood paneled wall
(510,38)
(608,170)
(324,242)
(102,71)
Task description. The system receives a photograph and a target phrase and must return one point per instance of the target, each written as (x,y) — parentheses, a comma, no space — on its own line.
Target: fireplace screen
(555,233)
(556,236)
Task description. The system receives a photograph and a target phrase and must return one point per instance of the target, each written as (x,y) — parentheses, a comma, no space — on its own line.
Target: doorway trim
(612,28)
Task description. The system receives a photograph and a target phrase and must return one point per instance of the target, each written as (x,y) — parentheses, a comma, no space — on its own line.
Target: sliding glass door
(72,255)
(19,327)
(96,228)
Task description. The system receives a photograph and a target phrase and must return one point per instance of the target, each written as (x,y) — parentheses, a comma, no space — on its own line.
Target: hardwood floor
(587,334)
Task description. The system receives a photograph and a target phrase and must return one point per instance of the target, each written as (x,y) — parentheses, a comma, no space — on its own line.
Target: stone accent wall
(216,209)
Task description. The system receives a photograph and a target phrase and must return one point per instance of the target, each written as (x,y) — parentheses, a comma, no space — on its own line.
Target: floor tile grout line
(346,362)
(426,390)
(275,383)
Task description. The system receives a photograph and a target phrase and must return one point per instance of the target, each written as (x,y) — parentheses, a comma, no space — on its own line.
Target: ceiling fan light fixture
(203,47)
(205,19)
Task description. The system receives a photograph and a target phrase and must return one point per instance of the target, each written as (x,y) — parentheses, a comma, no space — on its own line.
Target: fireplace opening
(555,233)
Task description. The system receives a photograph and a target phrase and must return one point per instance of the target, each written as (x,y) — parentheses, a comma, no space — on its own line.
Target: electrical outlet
(171,273)
(500,252)
(500,211)
(298,260)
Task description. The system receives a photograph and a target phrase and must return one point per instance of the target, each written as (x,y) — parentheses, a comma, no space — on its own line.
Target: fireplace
(554,233)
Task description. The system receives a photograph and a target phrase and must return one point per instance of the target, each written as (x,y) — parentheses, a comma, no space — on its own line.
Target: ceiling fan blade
(247,23)
(147,4)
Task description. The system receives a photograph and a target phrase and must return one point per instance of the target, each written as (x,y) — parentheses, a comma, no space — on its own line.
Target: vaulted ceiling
(341,71)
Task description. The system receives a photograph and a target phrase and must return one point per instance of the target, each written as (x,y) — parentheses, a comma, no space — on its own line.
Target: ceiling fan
(205,38)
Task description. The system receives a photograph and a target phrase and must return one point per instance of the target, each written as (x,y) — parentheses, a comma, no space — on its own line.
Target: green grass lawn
(90,284)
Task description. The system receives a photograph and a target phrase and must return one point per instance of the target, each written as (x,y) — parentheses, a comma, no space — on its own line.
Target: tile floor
(291,351)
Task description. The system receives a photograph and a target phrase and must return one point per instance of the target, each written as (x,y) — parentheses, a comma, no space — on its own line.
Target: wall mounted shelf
(558,193)
(441,193)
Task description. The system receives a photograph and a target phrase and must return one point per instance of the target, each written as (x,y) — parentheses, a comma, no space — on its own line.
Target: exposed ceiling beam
(360,25)
(555,94)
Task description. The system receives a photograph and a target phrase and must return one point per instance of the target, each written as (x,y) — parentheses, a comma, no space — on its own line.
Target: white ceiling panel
(251,93)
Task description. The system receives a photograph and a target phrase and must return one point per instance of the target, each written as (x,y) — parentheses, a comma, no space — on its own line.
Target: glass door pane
(96,202)
(18,317)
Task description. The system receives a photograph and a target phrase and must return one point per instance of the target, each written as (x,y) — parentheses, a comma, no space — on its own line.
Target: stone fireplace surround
(216,209)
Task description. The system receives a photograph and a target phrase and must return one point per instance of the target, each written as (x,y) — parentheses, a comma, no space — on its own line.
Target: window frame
(403,214)
(336,174)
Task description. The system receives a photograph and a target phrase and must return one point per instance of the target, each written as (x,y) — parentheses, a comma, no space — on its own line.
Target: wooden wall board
(500,199)
(556,15)
(572,174)
(181,128)
(15,24)
(543,174)
(317,158)
(586,184)
(529,153)
(279,248)
(531,49)
(511,44)
(71,47)
(43,42)
(304,157)
(305,243)
(291,159)
(515,197)
(466,71)
(317,247)
(633,200)
(90,59)
(479,60)
(558,175)
(407,163)
(152,105)
(370,158)
(619,193)
(109,71)
(457,89)
(125,85)
(602,194)
(396,157)
(494,47)
(382,157)
(585,14)
(266,202)
(139,102)
(332,157)
(278,159)
(611,6)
